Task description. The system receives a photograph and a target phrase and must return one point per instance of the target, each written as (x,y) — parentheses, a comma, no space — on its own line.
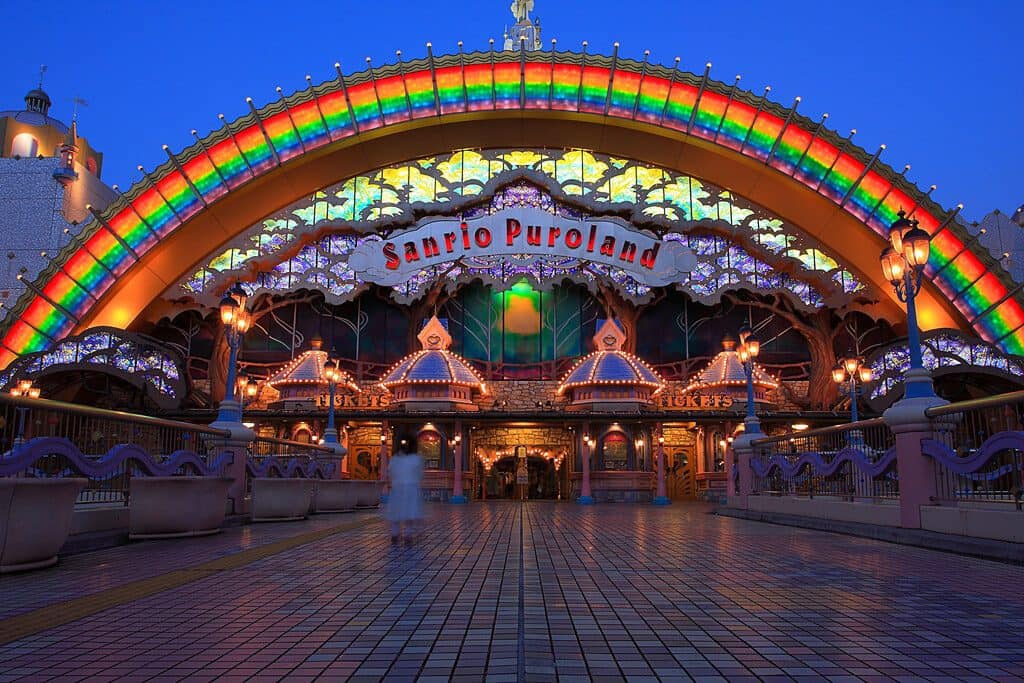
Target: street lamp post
(248,388)
(23,389)
(903,263)
(236,321)
(332,374)
(748,350)
(851,371)
(661,493)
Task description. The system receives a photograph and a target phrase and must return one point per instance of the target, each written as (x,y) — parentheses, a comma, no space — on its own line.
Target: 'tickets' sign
(362,401)
(695,401)
(523,231)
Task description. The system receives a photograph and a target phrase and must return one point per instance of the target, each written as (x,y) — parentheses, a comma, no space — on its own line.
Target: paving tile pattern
(546,592)
(91,572)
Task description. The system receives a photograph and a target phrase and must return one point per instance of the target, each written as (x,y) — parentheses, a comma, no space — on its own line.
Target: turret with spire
(525,31)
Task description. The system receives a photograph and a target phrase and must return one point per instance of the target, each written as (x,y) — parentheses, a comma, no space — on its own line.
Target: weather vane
(79,101)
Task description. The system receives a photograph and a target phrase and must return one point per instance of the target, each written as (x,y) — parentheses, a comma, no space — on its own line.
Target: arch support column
(660,497)
(457,495)
(382,461)
(586,495)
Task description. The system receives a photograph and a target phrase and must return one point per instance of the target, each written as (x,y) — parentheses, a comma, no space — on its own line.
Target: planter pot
(35,518)
(176,507)
(368,493)
(279,500)
(336,495)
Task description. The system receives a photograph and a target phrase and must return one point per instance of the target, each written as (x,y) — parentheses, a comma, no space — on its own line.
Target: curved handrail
(25,455)
(947,457)
(292,444)
(295,466)
(820,431)
(89,411)
(977,403)
(790,468)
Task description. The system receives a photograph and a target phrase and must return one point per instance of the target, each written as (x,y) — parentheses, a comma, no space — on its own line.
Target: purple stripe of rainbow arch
(88,267)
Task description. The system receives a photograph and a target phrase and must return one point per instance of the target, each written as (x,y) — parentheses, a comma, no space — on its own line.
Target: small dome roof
(38,95)
(611,365)
(36,112)
(434,363)
(308,368)
(34,118)
(433,366)
(726,370)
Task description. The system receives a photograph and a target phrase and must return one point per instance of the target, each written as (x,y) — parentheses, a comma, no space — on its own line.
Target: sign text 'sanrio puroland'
(522,231)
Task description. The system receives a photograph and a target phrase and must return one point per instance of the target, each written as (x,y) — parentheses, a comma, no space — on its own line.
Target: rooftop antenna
(42,70)
(79,101)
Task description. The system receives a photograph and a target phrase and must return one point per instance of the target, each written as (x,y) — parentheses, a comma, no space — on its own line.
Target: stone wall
(522,395)
(503,437)
(36,211)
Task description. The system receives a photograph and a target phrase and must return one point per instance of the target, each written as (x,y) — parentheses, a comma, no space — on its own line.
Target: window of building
(429,445)
(24,145)
(615,451)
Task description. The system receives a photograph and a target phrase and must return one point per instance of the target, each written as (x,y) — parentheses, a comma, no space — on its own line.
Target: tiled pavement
(89,573)
(502,591)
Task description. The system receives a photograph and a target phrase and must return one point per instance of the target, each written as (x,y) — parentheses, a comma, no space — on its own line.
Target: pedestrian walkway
(508,591)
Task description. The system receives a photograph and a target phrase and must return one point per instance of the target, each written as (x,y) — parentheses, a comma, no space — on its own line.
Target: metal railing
(44,438)
(272,457)
(978,448)
(270,447)
(855,461)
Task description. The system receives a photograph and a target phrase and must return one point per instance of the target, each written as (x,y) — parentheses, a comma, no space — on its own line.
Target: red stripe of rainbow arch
(150,211)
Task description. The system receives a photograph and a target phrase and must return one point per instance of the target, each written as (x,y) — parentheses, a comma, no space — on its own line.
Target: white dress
(405,500)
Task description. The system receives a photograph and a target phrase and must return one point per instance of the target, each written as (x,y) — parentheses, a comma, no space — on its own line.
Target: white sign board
(522,230)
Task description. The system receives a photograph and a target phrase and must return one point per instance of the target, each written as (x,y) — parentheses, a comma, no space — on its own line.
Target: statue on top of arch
(525,31)
(521,10)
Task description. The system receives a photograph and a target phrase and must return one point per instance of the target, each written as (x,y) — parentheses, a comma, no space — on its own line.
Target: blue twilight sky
(939,82)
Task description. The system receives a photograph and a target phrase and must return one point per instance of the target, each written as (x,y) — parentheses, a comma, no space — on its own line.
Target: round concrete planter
(35,518)
(281,500)
(336,495)
(176,507)
(368,493)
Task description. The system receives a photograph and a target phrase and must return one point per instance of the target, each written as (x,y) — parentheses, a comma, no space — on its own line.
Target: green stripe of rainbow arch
(560,81)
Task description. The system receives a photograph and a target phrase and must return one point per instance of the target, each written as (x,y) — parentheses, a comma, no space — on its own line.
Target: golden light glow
(892,265)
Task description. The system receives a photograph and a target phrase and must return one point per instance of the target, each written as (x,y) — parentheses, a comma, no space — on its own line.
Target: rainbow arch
(456,84)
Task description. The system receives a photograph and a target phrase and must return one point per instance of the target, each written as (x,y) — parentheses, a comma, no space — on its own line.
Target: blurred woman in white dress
(404,508)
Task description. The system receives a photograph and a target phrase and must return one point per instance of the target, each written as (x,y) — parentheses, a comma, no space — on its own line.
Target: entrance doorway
(501,482)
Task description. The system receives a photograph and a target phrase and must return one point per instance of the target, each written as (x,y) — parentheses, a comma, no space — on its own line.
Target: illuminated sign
(696,401)
(355,401)
(517,231)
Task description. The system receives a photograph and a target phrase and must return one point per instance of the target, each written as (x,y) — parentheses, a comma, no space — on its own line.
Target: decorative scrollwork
(976,461)
(790,466)
(27,456)
(578,183)
(272,466)
(943,351)
(139,360)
